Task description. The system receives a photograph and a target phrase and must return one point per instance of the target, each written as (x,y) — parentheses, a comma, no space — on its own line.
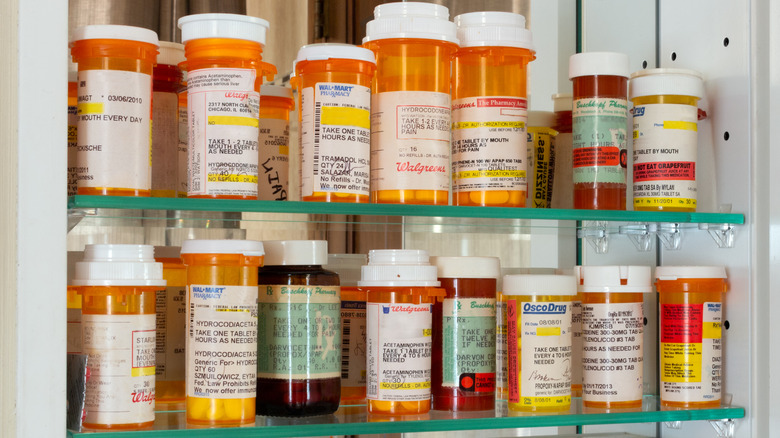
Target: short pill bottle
(166,83)
(171,308)
(273,144)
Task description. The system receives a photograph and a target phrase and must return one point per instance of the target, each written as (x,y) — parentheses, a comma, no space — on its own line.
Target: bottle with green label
(298,331)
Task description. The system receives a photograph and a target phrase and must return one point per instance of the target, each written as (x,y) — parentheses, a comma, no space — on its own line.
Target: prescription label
(274,161)
(353,344)
(171,308)
(468,344)
(599,142)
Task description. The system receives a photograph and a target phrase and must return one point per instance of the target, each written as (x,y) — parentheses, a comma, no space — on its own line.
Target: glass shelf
(353,420)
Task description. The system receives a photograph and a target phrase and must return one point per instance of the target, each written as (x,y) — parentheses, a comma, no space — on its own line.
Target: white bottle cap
(411,20)
(234,26)
(115,32)
(295,252)
(249,248)
(170,53)
(347,266)
(608,279)
(541,119)
(398,268)
(562,102)
(276,91)
(598,64)
(118,265)
(495,29)
(325,51)
(539,285)
(467,267)
(666,81)
(670,273)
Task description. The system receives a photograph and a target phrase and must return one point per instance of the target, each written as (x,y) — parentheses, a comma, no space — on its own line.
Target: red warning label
(681,323)
(666,170)
(596,156)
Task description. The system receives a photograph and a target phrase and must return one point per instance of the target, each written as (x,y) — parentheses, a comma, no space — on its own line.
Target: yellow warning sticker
(233,121)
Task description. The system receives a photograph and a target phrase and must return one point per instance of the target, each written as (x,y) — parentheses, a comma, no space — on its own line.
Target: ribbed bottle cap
(170,53)
(249,248)
(398,267)
(541,119)
(295,252)
(598,64)
(118,265)
(115,32)
(348,267)
(665,81)
(467,267)
(610,279)
(562,102)
(495,29)
(540,285)
(234,26)
(324,51)
(411,20)
(670,273)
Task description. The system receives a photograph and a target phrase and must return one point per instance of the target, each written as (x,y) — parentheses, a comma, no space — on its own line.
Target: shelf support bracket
(595,233)
(670,235)
(723,234)
(724,428)
(673,424)
(641,235)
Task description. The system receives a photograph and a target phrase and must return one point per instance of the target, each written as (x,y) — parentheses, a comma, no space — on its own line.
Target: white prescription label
(353,344)
(165,143)
(221,341)
(335,137)
(399,351)
(114,129)
(576,342)
(223,109)
(274,161)
(181,185)
(488,144)
(410,140)
(120,389)
(171,307)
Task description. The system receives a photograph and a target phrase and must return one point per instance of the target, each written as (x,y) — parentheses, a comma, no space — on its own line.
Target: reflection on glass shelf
(353,420)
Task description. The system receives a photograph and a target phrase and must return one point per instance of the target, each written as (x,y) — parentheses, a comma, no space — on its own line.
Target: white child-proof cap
(496,29)
(400,268)
(115,32)
(249,248)
(411,20)
(295,252)
(325,51)
(170,53)
(276,91)
(467,267)
(233,26)
(666,81)
(598,64)
(118,265)
(609,279)
(671,273)
(539,285)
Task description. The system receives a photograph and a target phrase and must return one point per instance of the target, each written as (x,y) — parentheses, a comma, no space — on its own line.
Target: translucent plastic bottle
(299,331)
(464,349)
(276,102)
(691,348)
(221,345)
(72,127)
(489,110)
(118,285)
(563,186)
(665,144)
(334,92)
(171,308)
(401,287)
(599,117)
(224,72)
(166,82)
(410,105)
(114,108)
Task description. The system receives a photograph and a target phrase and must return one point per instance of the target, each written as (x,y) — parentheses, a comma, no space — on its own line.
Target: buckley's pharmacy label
(221,341)
(223,126)
(468,344)
(353,343)
(410,140)
(335,137)
(299,329)
(73,142)
(612,351)
(576,342)
(487,138)
(114,141)
(399,351)
(599,141)
(121,348)
(165,142)
(501,346)
(181,187)
(665,156)
(274,159)
(691,352)
(171,307)
(541,159)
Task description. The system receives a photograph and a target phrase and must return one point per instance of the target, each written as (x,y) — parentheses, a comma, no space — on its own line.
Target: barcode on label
(317,115)
(346,329)
(192,319)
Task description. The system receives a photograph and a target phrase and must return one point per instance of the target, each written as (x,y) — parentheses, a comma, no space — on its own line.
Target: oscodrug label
(468,344)
(599,142)
(353,343)
(274,161)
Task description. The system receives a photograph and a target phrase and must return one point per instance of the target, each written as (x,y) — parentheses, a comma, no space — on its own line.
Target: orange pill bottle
(181,173)
(166,82)
(114,109)
(690,345)
(171,308)
(221,366)
(410,106)
(273,144)
(489,110)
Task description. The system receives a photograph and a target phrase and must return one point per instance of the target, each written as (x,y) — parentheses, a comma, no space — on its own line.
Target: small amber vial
(273,144)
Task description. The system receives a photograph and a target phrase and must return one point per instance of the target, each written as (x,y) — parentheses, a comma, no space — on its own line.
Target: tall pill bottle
(690,314)
(539,341)
(334,102)
(489,110)
(114,109)
(118,285)
(563,186)
(276,102)
(183,156)
(599,121)
(410,105)
(171,309)
(224,72)
(73,78)
(665,138)
(299,331)
(166,82)
(401,287)
(463,375)
(612,334)
(221,346)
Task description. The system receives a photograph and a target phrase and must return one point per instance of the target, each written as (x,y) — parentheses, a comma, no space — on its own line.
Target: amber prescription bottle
(171,309)
(299,331)
(73,117)
(691,300)
(118,284)
(599,118)
(221,345)
(464,350)
(183,156)
(224,72)
(613,334)
(166,82)
(539,341)
(273,144)
(401,287)
(114,108)
(489,109)
(334,102)
(563,186)
(410,105)
(665,144)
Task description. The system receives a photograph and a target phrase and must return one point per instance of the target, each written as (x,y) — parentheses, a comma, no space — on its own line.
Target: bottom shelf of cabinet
(353,420)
